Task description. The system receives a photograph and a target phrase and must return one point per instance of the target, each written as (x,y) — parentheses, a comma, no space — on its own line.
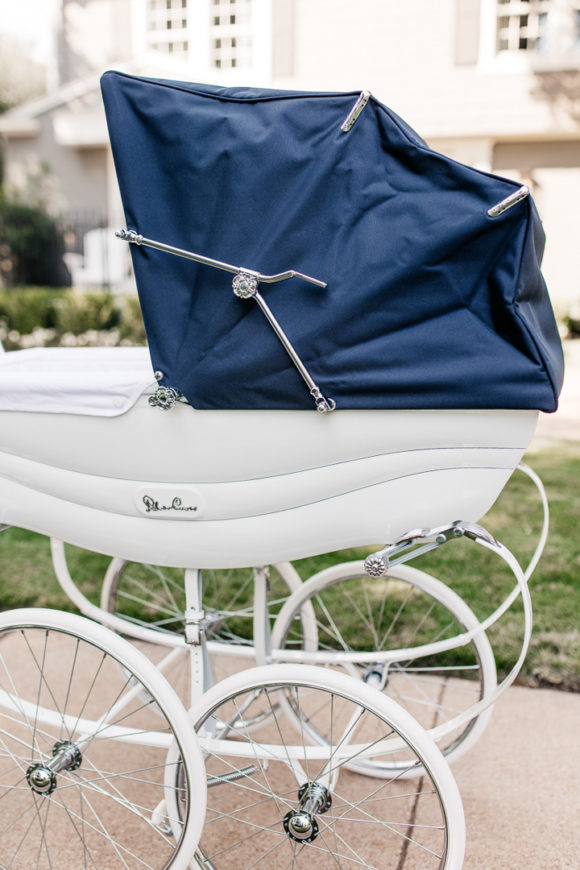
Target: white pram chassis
(276,485)
(302,763)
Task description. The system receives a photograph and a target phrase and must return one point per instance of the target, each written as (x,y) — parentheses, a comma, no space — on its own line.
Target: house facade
(491,83)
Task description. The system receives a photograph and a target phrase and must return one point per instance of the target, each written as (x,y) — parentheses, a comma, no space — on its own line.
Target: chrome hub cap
(41,777)
(300,824)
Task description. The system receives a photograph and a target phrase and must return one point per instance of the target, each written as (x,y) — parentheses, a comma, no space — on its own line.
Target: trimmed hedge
(41,317)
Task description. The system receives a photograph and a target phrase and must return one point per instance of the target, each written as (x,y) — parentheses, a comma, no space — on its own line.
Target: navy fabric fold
(429,303)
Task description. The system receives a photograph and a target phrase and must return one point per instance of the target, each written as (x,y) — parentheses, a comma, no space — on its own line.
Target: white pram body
(128,480)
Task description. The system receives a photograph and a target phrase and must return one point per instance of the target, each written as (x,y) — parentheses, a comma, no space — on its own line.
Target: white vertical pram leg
(262,645)
(200,664)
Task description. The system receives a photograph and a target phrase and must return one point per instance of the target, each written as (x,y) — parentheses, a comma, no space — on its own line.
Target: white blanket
(99,381)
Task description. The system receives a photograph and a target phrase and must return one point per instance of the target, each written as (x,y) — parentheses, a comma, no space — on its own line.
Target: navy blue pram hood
(430,302)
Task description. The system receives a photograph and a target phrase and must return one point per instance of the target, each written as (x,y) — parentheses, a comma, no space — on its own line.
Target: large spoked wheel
(85,728)
(283,796)
(381,630)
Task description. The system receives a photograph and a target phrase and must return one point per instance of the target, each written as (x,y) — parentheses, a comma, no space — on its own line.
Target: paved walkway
(521,783)
(521,787)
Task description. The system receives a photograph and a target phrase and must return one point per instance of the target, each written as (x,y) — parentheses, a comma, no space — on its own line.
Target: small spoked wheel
(85,728)
(382,631)
(283,796)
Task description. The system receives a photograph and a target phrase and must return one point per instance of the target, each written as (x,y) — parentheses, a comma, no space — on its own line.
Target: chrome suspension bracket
(419,541)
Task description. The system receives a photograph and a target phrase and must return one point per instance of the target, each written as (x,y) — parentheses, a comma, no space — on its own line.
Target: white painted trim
(560,55)
(19,128)
(138,27)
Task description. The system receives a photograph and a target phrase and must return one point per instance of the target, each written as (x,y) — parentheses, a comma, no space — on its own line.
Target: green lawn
(27,578)
(480,579)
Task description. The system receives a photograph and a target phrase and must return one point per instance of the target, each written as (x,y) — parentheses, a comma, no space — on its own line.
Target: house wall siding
(72,179)
(435,64)
(516,113)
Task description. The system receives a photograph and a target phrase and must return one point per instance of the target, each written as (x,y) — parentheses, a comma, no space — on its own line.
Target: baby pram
(404,291)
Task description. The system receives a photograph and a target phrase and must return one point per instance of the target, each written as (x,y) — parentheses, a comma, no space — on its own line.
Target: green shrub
(78,312)
(131,326)
(34,316)
(31,246)
(26,308)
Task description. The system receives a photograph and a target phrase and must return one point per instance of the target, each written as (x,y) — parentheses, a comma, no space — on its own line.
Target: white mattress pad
(98,381)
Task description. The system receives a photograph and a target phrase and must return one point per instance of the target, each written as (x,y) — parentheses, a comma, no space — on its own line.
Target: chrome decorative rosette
(245,286)
(164,398)
(375,566)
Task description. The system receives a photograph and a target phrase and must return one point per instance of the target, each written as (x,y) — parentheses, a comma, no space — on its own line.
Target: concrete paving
(521,783)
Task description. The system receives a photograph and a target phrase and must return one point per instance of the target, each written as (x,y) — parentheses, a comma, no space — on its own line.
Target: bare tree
(21,77)
(561,89)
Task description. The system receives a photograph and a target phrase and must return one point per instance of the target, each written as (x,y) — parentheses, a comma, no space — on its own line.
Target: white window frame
(230,34)
(200,34)
(560,51)
(516,10)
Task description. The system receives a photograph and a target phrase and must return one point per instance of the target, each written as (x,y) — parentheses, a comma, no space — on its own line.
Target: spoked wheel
(282,796)
(85,728)
(399,616)
(154,597)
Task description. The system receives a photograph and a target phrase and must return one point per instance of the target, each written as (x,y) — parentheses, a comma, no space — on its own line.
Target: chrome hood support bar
(245,286)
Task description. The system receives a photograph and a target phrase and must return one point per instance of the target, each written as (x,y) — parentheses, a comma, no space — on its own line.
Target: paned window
(230,33)
(522,25)
(167,22)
